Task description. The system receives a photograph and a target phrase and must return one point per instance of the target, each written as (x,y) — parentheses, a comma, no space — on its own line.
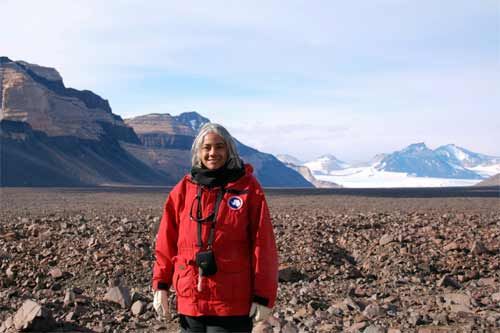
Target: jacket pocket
(184,280)
(232,281)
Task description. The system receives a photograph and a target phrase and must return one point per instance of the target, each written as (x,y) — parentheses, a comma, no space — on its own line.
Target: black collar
(229,172)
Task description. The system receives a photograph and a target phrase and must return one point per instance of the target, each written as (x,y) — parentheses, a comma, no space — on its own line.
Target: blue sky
(305,78)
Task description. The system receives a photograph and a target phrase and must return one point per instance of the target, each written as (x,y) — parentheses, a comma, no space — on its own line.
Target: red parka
(243,245)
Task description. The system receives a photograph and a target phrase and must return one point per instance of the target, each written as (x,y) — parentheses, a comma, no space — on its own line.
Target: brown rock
(385,239)
(7,324)
(457,298)
(289,274)
(352,304)
(11,273)
(448,281)
(33,316)
(69,297)
(460,308)
(439,329)
(56,273)
(262,327)
(374,329)
(357,326)
(70,316)
(289,328)
(119,295)
(373,311)
(393,330)
(326,328)
(138,308)
(479,248)
(486,282)
(451,246)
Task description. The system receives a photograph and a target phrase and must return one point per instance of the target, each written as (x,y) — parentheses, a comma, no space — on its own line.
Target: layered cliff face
(51,135)
(168,140)
(37,95)
(162,131)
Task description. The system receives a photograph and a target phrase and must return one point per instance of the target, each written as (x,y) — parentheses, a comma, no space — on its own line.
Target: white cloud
(348,78)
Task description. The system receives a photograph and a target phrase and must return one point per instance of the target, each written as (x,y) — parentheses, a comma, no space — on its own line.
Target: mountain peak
(328,157)
(323,165)
(285,158)
(192,119)
(4,60)
(416,147)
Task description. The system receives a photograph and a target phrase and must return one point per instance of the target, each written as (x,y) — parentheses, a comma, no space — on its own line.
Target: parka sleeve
(166,242)
(263,252)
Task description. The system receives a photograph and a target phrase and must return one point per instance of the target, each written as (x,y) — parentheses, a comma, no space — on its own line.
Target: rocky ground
(80,260)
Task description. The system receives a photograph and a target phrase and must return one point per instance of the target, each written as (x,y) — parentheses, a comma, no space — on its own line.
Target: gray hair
(232,153)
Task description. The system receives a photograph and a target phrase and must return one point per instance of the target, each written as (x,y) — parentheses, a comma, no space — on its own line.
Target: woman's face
(213,152)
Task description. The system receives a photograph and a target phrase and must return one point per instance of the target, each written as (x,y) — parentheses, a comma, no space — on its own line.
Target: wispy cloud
(349,78)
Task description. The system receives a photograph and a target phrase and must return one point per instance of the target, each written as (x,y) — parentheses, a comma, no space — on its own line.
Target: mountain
(465,158)
(491,181)
(168,140)
(162,131)
(52,135)
(326,164)
(307,174)
(420,161)
(193,119)
(57,136)
(285,158)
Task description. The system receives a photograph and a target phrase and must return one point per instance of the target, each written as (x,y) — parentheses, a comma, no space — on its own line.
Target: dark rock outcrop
(32,158)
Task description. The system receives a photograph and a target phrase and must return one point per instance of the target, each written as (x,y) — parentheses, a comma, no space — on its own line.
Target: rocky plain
(80,260)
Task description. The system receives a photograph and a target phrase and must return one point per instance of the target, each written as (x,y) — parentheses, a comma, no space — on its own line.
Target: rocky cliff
(51,135)
(307,174)
(36,95)
(169,138)
(162,131)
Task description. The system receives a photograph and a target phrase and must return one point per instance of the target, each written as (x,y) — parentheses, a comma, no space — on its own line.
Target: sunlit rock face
(51,135)
(37,95)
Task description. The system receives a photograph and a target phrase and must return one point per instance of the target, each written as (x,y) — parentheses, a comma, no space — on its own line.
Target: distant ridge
(491,181)
(166,137)
(52,135)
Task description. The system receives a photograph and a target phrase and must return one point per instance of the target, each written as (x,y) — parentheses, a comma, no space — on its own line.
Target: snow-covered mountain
(285,158)
(326,164)
(418,160)
(414,166)
(466,158)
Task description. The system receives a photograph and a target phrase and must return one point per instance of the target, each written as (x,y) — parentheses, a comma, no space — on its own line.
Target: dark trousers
(210,324)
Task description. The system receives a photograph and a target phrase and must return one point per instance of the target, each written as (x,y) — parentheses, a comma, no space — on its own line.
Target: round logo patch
(235,203)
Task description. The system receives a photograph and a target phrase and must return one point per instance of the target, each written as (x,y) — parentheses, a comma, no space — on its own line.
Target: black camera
(205,260)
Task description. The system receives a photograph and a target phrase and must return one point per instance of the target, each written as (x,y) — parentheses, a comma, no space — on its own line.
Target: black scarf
(229,172)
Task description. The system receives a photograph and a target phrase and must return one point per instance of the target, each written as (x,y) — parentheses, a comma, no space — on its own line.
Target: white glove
(259,312)
(160,304)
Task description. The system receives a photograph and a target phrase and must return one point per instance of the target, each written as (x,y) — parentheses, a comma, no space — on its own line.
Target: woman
(215,244)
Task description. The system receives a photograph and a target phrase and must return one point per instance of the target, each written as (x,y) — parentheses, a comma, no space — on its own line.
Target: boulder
(119,295)
(289,274)
(33,316)
(138,308)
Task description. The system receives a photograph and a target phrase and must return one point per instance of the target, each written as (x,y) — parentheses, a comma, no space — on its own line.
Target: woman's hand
(160,303)
(259,312)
